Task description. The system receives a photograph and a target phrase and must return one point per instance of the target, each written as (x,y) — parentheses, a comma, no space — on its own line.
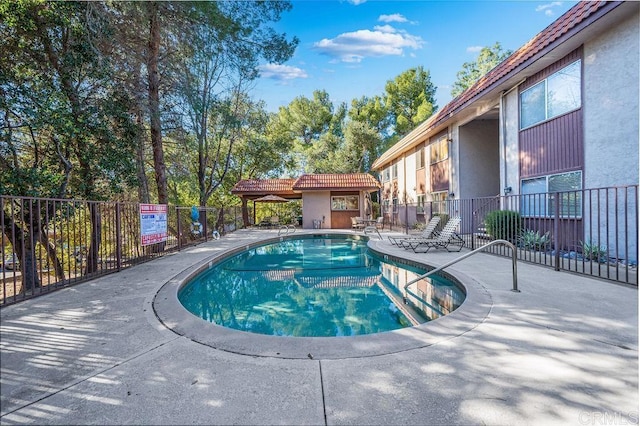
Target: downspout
(503,132)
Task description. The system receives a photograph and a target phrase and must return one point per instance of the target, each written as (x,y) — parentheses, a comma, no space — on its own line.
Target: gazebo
(328,200)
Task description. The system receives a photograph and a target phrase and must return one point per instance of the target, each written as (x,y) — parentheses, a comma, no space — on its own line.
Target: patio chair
(428,232)
(356,223)
(380,222)
(447,237)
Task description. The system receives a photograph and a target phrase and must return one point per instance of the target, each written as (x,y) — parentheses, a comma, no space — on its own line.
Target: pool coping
(170,312)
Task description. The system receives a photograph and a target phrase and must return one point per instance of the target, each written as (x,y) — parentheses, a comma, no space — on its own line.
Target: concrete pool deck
(563,351)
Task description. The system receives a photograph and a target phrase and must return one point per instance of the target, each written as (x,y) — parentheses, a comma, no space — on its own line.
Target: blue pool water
(314,285)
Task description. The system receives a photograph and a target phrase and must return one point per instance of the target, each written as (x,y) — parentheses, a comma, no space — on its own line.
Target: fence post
(473,227)
(556,228)
(178,228)
(118,238)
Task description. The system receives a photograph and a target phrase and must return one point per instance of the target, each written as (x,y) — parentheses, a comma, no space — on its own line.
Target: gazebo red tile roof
(336,181)
(264,186)
(311,182)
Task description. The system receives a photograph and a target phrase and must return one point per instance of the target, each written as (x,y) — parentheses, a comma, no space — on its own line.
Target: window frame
(420,162)
(340,203)
(546,100)
(544,203)
(439,206)
(420,203)
(437,153)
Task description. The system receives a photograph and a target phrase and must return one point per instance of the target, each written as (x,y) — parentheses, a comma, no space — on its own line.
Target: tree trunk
(245,213)
(143,182)
(154,102)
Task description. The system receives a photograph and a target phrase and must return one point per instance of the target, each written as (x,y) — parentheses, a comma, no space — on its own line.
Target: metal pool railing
(514,265)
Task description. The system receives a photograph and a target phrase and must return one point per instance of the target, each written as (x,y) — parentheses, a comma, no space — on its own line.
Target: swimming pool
(316,286)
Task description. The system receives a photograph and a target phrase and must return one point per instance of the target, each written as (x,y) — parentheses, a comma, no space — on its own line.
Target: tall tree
(227,40)
(65,120)
(303,123)
(471,72)
(410,99)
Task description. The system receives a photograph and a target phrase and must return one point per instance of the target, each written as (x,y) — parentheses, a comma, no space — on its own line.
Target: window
(385,206)
(394,171)
(345,202)
(539,195)
(440,150)
(394,202)
(556,95)
(420,158)
(387,174)
(439,204)
(420,204)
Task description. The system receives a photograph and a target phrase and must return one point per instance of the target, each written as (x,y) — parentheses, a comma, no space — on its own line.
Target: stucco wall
(478,153)
(509,171)
(611,89)
(410,182)
(314,206)
(611,73)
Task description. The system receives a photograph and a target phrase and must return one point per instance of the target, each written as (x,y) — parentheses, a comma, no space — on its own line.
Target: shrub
(530,239)
(594,252)
(503,225)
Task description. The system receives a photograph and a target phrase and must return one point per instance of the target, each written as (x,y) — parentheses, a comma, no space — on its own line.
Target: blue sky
(352,48)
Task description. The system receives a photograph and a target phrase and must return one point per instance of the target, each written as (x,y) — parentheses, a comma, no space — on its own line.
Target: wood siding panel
(552,147)
(440,176)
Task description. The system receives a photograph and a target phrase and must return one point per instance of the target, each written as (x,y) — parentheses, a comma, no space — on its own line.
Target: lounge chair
(447,237)
(426,233)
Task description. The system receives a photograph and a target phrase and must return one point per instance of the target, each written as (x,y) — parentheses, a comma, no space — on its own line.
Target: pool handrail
(514,264)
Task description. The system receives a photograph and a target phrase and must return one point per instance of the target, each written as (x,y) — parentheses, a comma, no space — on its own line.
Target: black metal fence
(53,243)
(592,232)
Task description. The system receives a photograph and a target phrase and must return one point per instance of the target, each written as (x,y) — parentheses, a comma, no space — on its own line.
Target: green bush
(594,252)
(504,225)
(530,239)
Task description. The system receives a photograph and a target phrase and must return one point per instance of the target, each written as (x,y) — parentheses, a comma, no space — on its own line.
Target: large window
(439,204)
(394,171)
(420,204)
(556,95)
(345,202)
(439,150)
(539,195)
(387,174)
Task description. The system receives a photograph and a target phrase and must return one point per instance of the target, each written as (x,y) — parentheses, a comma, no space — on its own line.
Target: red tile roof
(356,181)
(336,181)
(264,186)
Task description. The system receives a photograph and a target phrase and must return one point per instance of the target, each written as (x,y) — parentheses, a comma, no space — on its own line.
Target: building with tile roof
(328,200)
(559,114)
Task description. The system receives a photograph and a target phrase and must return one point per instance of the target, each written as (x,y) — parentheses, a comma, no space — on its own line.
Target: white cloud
(357,2)
(548,8)
(281,72)
(474,49)
(385,28)
(357,45)
(396,17)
